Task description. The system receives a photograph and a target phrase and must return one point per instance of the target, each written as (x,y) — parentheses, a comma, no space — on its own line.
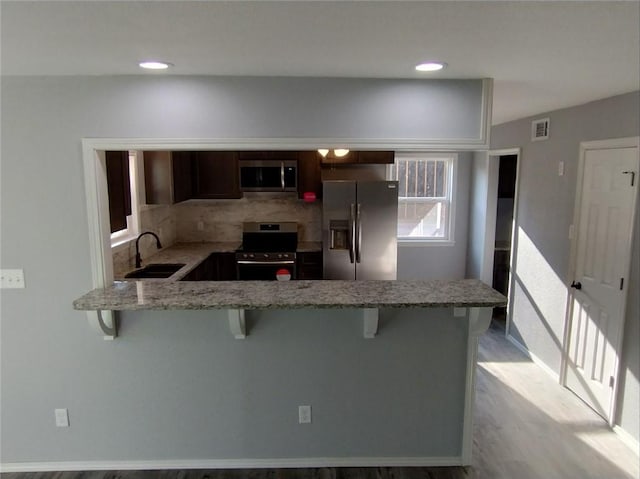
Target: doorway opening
(505,210)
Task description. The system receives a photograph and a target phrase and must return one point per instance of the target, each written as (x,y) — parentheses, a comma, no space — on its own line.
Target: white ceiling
(542,55)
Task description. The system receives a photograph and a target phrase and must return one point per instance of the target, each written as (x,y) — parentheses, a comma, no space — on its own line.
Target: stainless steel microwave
(268,175)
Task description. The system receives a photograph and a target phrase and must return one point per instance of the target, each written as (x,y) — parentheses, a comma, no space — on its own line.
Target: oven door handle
(274,263)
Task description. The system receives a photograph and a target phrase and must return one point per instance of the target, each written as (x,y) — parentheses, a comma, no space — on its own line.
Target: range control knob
(251,256)
(266,256)
(280,256)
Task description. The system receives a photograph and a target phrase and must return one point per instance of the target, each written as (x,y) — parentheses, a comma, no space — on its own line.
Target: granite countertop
(170,295)
(309,246)
(192,254)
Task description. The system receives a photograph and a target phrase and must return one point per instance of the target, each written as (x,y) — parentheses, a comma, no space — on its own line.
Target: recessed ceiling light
(430,66)
(154,65)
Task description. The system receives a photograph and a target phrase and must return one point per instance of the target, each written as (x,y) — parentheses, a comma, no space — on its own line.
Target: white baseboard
(534,358)
(232,464)
(628,439)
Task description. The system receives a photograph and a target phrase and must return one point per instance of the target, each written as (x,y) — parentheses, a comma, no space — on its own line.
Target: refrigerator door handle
(358,233)
(352,232)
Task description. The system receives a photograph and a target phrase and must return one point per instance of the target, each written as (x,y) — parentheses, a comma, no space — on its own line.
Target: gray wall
(442,261)
(171,374)
(542,245)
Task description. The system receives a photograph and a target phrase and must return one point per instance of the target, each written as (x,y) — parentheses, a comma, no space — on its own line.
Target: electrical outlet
(200,225)
(304,414)
(11,278)
(62,417)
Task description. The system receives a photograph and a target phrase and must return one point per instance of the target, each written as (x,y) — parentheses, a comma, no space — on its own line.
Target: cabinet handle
(577,285)
(274,263)
(282,174)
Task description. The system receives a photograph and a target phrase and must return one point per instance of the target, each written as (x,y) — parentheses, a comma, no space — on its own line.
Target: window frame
(451,159)
(120,239)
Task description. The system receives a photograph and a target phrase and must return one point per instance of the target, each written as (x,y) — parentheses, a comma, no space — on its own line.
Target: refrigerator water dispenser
(339,234)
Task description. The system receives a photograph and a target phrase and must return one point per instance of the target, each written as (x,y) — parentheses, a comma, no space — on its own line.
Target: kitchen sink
(156,270)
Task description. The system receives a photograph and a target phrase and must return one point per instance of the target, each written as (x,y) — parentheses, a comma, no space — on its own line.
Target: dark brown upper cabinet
(182,166)
(216,175)
(376,157)
(168,177)
(118,188)
(358,158)
(268,155)
(331,159)
(309,174)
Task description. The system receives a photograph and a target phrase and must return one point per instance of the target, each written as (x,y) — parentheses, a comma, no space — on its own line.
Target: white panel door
(602,261)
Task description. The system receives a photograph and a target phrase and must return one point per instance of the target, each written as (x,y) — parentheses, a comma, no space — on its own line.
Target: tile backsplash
(221,220)
(218,220)
(159,219)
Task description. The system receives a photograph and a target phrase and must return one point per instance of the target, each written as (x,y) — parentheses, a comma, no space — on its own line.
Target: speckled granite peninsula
(382,336)
(183,295)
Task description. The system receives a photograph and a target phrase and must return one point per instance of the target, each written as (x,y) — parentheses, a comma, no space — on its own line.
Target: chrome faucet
(138,258)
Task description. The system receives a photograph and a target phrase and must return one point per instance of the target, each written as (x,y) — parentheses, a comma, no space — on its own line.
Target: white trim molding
(629,441)
(96,182)
(489,250)
(232,464)
(479,321)
(536,360)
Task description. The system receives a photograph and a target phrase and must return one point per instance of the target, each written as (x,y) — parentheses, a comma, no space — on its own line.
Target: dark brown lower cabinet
(217,267)
(309,265)
(225,266)
(203,272)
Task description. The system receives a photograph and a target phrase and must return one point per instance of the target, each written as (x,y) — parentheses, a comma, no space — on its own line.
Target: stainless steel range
(268,251)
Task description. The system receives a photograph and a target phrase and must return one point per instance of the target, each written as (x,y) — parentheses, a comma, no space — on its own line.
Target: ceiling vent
(540,129)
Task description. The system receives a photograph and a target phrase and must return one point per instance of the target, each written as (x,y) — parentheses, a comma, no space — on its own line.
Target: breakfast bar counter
(386,337)
(184,295)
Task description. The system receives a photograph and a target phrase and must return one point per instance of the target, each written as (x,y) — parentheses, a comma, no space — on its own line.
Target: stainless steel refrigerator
(359,228)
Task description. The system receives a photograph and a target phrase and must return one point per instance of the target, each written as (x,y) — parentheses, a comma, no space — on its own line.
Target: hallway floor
(529,427)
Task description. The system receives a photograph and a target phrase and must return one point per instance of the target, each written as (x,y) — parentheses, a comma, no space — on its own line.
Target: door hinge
(611,381)
(621,283)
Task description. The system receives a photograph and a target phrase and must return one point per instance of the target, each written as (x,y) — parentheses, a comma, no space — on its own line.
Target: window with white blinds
(425,192)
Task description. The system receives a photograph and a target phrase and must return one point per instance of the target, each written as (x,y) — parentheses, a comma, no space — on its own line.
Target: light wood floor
(527,427)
